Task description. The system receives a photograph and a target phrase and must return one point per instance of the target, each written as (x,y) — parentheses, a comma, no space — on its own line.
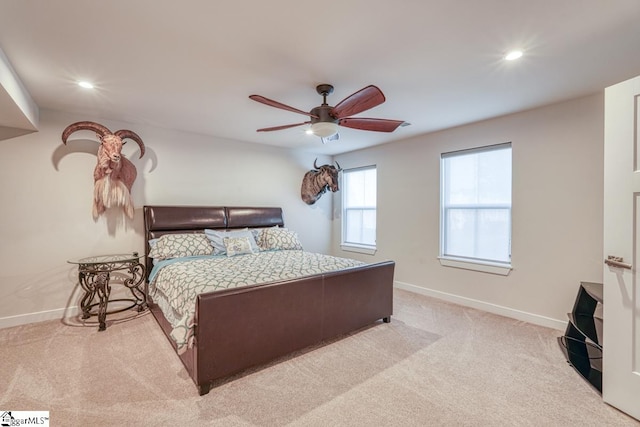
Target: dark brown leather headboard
(159,220)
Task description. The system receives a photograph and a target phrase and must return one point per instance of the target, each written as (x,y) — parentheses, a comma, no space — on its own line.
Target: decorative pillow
(180,245)
(257,233)
(217,239)
(279,239)
(237,246)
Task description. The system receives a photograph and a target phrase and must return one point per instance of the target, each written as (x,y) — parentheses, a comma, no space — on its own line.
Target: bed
(238,328)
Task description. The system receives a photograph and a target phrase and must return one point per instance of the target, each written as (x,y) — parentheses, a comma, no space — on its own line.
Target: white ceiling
(191,64)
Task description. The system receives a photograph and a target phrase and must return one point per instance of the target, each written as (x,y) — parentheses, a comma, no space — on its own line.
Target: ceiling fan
(325,119)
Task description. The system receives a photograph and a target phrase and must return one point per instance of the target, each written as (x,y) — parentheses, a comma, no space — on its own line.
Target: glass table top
(107,259)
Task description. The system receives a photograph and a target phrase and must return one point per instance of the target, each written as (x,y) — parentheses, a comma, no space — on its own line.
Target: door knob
(617,261)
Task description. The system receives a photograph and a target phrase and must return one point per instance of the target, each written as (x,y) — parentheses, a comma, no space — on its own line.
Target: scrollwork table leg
(136,285)
(86,282)
(103,289)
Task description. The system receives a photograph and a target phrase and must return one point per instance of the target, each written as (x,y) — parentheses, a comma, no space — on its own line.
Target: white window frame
(356,246)
(475,264)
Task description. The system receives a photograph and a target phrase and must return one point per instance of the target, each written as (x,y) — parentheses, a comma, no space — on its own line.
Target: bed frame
(240,328)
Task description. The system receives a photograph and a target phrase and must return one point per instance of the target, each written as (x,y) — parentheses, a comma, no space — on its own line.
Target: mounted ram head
(114,174)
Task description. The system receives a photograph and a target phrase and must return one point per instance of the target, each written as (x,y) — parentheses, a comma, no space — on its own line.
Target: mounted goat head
(114,175)
(316,182)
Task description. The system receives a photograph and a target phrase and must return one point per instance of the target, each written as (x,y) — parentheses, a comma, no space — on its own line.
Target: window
(475,219)
(359,209)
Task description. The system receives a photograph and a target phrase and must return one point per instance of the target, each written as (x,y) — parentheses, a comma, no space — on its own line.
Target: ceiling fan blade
(376,125)
(282,127)
(358,102)
(272,103)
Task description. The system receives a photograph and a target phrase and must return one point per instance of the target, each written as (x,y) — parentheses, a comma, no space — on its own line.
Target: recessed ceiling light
(85,85)
(514,54)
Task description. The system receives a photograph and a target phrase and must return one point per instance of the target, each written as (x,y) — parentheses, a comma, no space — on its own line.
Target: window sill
(368,250)
(484,267)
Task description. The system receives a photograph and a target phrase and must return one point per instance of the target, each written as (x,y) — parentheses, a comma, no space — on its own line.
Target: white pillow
(237,246)
(217,239)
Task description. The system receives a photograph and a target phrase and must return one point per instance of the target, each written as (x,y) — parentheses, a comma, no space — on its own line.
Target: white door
(621,334)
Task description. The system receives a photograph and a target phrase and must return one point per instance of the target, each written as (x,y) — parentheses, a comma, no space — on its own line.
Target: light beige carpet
(435,364)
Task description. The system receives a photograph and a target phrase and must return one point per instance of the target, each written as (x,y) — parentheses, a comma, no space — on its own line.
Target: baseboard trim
(41,316)
(61,313)
(485,306)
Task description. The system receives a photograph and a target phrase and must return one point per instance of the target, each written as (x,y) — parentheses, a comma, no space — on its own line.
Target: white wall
(557,210)
(45,217)
(46,195)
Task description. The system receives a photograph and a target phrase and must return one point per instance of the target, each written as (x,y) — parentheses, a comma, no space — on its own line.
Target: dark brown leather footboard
(250,326)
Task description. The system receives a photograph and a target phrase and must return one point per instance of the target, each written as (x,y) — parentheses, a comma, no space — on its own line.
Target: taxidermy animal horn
(315,166)
(74,127)
(131,135)
(102,131)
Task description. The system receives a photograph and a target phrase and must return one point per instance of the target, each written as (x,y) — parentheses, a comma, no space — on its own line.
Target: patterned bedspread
(176,283)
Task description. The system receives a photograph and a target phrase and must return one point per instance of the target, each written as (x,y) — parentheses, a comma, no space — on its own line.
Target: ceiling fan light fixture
(324,129)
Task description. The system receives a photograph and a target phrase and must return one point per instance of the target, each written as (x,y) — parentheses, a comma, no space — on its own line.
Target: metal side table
(94,274)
